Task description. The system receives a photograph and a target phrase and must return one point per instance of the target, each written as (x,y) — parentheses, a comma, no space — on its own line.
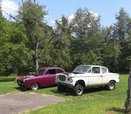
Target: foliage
(32,16)
(61,44)
(30,42)
(85,28)
(14,54)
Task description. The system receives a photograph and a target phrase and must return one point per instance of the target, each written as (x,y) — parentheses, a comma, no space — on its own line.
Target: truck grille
(62,77)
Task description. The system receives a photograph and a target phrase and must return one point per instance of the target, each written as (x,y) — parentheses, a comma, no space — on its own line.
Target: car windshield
(40,72)
(82,69)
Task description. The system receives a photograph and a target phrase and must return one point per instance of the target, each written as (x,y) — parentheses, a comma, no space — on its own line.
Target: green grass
(7,84)
(93,101)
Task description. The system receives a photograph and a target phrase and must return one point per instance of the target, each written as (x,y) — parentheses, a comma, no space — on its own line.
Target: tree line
(29,42)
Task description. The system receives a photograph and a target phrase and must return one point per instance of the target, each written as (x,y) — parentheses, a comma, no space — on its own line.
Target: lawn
(7,84)
(93,101)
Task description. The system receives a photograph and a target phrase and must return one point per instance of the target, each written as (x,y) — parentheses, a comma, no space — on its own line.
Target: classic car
(85,76)
(44,77)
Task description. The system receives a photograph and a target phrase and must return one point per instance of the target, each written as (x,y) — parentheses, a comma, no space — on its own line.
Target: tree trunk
(36,60)
(128,99)
(36,63)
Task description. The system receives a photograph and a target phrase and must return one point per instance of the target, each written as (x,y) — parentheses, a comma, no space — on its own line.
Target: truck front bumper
(66,85)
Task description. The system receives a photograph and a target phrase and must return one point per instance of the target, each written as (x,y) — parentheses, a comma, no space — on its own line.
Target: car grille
(62,77)
(20,82)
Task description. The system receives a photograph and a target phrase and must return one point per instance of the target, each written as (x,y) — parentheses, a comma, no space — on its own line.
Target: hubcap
(34,86)
(79,91)
(112,86)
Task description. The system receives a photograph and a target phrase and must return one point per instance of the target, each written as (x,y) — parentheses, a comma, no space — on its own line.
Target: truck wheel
(111,85)
(34,86)
(60,88)
(78,90)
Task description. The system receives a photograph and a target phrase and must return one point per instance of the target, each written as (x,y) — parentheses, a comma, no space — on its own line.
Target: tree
(86,45)
(121,35)
(32,16)
(3,38)
(84,23)
(60,54)
(120,27)
(13,51)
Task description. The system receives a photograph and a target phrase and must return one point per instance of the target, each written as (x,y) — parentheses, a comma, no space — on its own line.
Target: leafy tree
(32,16)
(86,45)
(13,52)
(111,55)
(60,53)
(3,38)
(121,25)
(121,35)
(84,23)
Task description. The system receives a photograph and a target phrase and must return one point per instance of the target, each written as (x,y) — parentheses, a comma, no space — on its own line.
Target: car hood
(72,74)
(77,74)
(25,77)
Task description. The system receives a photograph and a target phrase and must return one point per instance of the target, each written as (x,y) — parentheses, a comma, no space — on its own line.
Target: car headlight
(24,80)
(70,79)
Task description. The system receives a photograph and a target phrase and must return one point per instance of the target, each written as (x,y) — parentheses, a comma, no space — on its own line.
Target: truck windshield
(82,69)
(40,72)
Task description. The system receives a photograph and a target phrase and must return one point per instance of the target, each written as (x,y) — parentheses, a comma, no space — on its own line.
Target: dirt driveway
(13,103)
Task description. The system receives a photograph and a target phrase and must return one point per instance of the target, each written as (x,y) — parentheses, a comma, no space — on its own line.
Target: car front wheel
(111,85)
(34,86)
(78,90)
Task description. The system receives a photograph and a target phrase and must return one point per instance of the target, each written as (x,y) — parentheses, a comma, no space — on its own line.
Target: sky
(107,9)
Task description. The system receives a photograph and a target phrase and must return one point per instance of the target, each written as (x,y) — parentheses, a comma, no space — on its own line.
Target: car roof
(51,68)
(93,65)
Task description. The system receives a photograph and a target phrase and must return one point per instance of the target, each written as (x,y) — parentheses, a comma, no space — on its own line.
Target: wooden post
(128,99)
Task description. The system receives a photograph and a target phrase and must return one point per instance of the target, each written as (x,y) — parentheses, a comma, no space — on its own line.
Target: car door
(95,76)
(105,76)
(49,77)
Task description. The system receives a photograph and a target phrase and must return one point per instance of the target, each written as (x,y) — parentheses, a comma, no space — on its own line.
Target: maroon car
(44,77)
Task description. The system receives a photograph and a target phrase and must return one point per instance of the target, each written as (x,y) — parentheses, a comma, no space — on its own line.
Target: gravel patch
(14,103)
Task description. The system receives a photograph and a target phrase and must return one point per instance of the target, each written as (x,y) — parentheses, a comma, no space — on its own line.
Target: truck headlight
(70,79)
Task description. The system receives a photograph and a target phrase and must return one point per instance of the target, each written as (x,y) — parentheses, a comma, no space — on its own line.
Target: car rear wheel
(34,86)
(78,90)
(111,85)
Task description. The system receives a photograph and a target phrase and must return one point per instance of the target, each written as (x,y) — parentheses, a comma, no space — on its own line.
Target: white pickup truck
(86,76)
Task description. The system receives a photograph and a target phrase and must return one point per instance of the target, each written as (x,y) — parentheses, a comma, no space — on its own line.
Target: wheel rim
(111,86)
(34,86)
(79,91)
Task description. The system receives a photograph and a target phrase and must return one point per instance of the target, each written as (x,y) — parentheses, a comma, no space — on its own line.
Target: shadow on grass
(70,92)
(95,89)
(65,92)
(7,79)
(118,110)
(53,90)
(20,89)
